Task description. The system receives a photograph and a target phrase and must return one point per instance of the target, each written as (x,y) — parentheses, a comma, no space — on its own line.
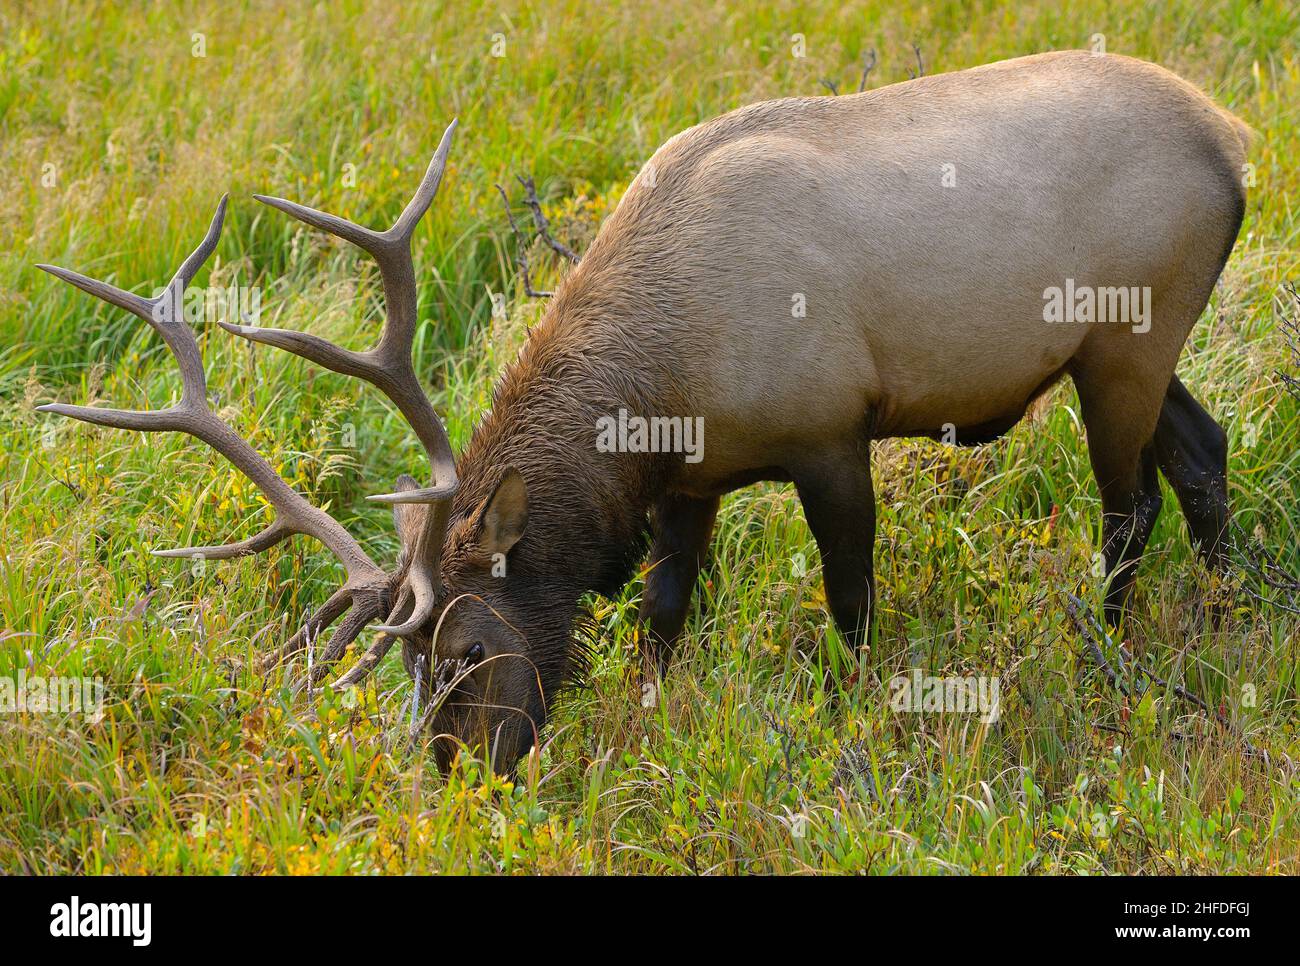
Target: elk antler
(388,367)
(367,587)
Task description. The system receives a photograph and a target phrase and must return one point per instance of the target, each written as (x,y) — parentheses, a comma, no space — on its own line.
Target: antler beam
(366,589)
(388,366)
(193,416)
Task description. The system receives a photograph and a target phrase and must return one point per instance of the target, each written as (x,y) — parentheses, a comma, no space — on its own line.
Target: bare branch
(542,224)
(867,68)
(868,65)
(521,251)
(1289,319)
(920,64)
(543,227)
(1073,606)
(1095,635)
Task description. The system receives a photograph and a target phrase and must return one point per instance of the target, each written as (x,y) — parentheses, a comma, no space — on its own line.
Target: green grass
(770,748)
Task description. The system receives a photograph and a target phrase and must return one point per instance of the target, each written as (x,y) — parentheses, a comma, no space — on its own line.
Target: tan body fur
(924,302)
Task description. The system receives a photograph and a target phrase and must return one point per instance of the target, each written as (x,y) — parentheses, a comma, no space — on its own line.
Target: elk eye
(475,653)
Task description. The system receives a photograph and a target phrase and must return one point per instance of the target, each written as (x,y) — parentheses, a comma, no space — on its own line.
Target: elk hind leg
(1192,450)
(1120,418)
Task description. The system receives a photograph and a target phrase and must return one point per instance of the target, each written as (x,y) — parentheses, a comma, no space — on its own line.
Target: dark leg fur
(1129,516)
(682,527)
(840,507)
(1193,453)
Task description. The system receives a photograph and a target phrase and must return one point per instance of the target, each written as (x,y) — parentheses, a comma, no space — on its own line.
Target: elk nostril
(475,653)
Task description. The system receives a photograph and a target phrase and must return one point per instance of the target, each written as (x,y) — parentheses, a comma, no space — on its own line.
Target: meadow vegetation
(770,747)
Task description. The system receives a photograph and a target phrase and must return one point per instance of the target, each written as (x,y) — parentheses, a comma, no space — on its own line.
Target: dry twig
(920,64)
(867,67)
(543,227)
(1094,635)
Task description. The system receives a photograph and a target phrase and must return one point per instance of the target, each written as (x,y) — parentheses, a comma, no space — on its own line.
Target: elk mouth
(497,736)
(454,725)
(456,712)
(449,707)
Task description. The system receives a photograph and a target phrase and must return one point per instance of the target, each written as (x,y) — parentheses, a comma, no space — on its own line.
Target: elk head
(455,654)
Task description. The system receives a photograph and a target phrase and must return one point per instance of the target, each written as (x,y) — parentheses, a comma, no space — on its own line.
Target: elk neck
(587,508)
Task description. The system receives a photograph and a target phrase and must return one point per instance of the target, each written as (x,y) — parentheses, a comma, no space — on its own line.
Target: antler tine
(196,259)
(367,662)
(344,635)
(134,304)
(193,416)
(322,617)
(378,649)
(404,227)
(389,367)
(262,540)
(164,315)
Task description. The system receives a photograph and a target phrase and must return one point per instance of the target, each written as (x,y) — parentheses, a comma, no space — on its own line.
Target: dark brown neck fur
(586,509)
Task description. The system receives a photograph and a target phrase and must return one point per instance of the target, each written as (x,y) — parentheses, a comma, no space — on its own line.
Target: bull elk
(921,228)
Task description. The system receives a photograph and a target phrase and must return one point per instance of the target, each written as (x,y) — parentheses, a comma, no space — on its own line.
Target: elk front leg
(840,507)
(682,527)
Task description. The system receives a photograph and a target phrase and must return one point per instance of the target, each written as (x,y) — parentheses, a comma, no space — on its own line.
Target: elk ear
(407,517)
(504,515)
